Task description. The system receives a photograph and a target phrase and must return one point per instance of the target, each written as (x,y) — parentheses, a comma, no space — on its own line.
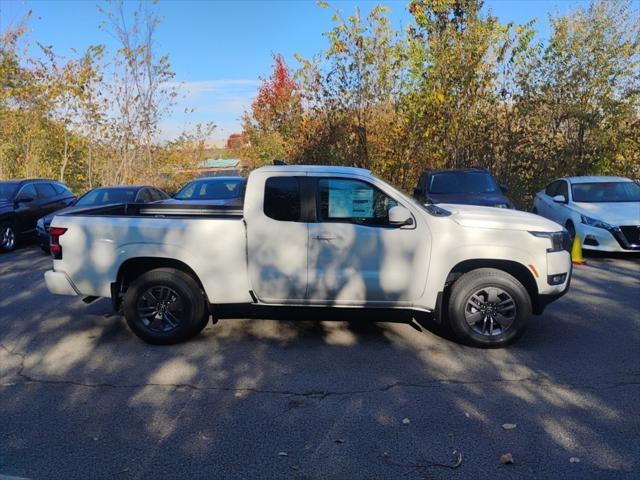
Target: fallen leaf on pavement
(339,440)
(509,426)
(283,454)
(406,421)
(506,459)
(574,460)
(294,467)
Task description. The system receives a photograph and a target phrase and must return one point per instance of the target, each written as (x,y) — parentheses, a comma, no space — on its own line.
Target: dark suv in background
(23,202)
(467,186)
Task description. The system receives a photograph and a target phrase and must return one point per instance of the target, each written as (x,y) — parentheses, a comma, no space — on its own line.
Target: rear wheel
(488,308)
(7,237)
(165,306)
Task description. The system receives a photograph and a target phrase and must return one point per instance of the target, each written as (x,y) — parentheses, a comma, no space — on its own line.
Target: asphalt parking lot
(82,397)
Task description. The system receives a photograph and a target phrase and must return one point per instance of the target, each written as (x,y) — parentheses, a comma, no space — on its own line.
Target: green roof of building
(220,163)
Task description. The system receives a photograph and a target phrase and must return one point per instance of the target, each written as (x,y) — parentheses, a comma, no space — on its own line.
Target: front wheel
(165,306)
(488,308)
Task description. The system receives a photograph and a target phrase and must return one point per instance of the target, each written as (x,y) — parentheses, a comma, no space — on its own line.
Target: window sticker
(350,200)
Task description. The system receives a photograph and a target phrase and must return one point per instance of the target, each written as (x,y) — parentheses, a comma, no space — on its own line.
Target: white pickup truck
(311,237)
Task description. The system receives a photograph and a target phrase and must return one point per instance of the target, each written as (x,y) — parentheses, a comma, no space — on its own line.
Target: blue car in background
(102,196)
(468,186)
(212,191)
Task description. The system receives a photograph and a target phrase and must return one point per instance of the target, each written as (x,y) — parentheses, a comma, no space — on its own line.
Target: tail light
(54,242)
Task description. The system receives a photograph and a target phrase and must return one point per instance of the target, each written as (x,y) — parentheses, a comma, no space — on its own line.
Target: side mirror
(504,188)
(400,216)
(560,199)
(26,198)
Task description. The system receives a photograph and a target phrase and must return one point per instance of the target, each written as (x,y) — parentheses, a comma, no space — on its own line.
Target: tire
(571,229)
(505,315)
(165,306)
(8,238)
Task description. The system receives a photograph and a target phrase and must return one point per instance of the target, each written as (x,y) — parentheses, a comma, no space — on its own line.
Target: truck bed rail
(158,210)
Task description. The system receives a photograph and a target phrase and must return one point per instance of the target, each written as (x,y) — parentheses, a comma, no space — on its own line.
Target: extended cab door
(356,256)
(277,237)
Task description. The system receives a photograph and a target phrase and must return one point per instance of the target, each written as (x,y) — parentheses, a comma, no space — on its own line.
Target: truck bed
(209,240)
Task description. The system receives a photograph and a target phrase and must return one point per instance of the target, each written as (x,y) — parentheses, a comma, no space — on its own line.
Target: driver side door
(356,256)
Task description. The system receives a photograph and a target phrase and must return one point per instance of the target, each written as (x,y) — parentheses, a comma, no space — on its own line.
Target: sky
(219,50)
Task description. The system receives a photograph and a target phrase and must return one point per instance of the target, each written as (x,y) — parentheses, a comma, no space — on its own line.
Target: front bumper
(547,298)
(558,263)
(59,283)
(619,239)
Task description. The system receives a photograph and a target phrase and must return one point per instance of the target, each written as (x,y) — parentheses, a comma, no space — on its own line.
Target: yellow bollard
(576,251)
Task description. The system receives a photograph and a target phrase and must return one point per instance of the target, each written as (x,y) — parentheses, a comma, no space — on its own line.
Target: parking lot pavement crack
(542,382)
(21,356)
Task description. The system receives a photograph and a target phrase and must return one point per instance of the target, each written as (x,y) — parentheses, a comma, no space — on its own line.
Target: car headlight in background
(594,222)
(559,240)
(40,224)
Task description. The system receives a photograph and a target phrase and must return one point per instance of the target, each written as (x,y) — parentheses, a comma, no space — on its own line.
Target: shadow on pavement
(82,397)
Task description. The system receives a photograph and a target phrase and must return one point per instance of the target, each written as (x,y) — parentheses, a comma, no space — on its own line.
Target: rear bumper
(59,283)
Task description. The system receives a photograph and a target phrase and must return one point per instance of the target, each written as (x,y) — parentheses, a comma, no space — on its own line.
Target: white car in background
(603,211)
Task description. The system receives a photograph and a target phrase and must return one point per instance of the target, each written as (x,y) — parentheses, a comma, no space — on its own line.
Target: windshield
(103,196)
(462,182)
(211,189)
(7,189)
(602,192)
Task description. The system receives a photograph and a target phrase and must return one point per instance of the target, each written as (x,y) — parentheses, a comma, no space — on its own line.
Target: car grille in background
(631,234)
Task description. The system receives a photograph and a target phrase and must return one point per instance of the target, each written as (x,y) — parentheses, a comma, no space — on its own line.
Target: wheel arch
(132,268)
(521,272)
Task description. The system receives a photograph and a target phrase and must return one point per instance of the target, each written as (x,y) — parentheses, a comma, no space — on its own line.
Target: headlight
(501,205)
(593,222)
(40,224)
(559,240)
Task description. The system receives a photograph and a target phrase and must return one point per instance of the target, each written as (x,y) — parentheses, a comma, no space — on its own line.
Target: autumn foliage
(458,88)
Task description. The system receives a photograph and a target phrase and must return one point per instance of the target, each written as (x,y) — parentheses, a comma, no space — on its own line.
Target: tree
(139,87)
(352,94)
(273,117)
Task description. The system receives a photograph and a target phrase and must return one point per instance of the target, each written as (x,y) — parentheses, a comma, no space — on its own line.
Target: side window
(143,196)
(160,194)
(61,189)
(282,198)
(552,188)
(28,191)
(352,201)
(45,190)
(563,189)
(154,194)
